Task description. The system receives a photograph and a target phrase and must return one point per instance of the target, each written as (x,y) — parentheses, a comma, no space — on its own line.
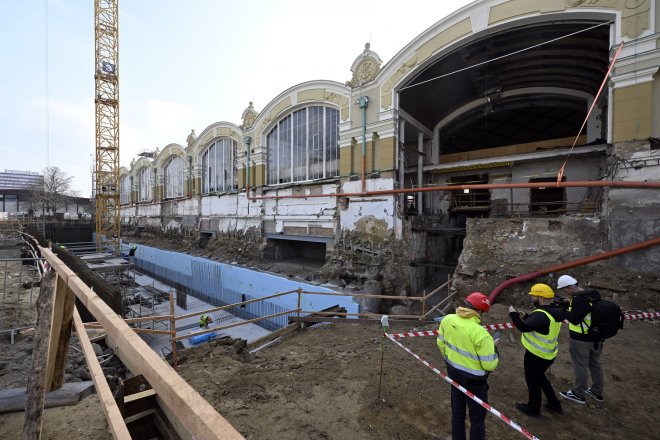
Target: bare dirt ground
(323,383)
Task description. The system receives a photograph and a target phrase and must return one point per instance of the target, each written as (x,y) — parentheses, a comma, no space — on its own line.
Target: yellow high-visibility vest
(582,327)
(543,346)
(466,345)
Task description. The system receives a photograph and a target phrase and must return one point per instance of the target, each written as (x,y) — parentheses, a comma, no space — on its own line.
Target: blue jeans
(478,387)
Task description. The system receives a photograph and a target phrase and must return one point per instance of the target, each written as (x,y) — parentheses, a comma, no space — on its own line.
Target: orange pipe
(601,256)
(581,262)
(573,184)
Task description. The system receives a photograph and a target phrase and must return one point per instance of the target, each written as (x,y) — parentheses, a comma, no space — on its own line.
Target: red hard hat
(479,301)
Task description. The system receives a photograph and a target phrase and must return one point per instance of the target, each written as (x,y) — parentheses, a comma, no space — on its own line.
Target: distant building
(15,189)
(16,196)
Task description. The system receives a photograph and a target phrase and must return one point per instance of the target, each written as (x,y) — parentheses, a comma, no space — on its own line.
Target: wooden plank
(190,414)
(247,321)
(69,394)
(36,386)
(140,395)
(60,336)
(140,415)
(216,309)
(365,295)
(175,357)
(112,414)
(355,320)
(274,335)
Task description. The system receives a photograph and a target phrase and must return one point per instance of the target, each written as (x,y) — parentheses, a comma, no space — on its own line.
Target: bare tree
(55,192)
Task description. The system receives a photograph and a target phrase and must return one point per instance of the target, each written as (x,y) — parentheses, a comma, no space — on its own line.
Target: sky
(182,65)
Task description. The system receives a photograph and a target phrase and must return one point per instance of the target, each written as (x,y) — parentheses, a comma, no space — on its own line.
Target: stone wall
(497,249)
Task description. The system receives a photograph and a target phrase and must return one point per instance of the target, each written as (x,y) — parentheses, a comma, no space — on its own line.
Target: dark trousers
(537,381)
(478,387)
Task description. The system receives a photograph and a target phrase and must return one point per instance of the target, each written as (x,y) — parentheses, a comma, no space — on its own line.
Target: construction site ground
(323,383)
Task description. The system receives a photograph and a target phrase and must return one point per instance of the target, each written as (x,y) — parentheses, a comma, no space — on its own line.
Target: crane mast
(106,99)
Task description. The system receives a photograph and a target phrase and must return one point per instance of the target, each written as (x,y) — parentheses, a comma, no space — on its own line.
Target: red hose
(564,266)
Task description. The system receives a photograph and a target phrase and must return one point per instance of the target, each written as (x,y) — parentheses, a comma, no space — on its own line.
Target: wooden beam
(60,335)
(274,335)
(248,321)
(191,415)
(36,386)
(355,320)
(110,408)
(137,396)
(175,357)
(140,415)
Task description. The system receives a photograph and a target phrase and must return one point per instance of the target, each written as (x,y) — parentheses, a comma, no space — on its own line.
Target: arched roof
(169,151)
(307,93)
(213,131)
(514,57)
(142,162)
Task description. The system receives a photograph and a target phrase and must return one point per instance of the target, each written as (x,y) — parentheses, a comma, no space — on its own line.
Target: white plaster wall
(186,207)
(231,211)
(377,207)
(238,223)
(312,207)
(150,210)
(226,204)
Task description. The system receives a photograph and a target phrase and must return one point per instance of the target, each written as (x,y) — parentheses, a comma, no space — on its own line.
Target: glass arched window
(219,166)
(304,146)
(173,172)
(124,190)
(144,184)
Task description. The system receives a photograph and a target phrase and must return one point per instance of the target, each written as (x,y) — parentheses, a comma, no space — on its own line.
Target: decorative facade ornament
(192,137)
(249,116)
(365,67)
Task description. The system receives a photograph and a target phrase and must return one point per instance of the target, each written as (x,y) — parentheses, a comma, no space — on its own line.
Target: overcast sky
(182,65)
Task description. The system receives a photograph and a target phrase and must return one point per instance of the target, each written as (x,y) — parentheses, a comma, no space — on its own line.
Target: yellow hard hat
(542,290)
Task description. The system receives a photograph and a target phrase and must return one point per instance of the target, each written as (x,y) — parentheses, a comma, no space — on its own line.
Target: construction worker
(470,354)
(585,352)
(204,321)
(540,332)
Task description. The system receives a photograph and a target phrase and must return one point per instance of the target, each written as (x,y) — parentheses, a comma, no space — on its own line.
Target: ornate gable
(365,67)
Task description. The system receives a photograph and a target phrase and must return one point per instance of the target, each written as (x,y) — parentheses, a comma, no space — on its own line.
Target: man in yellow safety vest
(470,354)
(540,332)
(204,321)
(585,352)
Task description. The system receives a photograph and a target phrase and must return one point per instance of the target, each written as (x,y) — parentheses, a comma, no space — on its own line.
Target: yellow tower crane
(106,98)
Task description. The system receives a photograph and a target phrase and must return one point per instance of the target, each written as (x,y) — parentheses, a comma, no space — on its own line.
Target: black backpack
(606,319)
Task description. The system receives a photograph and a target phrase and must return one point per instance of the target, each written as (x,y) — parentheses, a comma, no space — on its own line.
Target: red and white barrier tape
(462,389)
(631,316)
(627,317)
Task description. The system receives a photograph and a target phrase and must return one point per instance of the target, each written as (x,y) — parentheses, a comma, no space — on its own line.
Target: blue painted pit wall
(221,284)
